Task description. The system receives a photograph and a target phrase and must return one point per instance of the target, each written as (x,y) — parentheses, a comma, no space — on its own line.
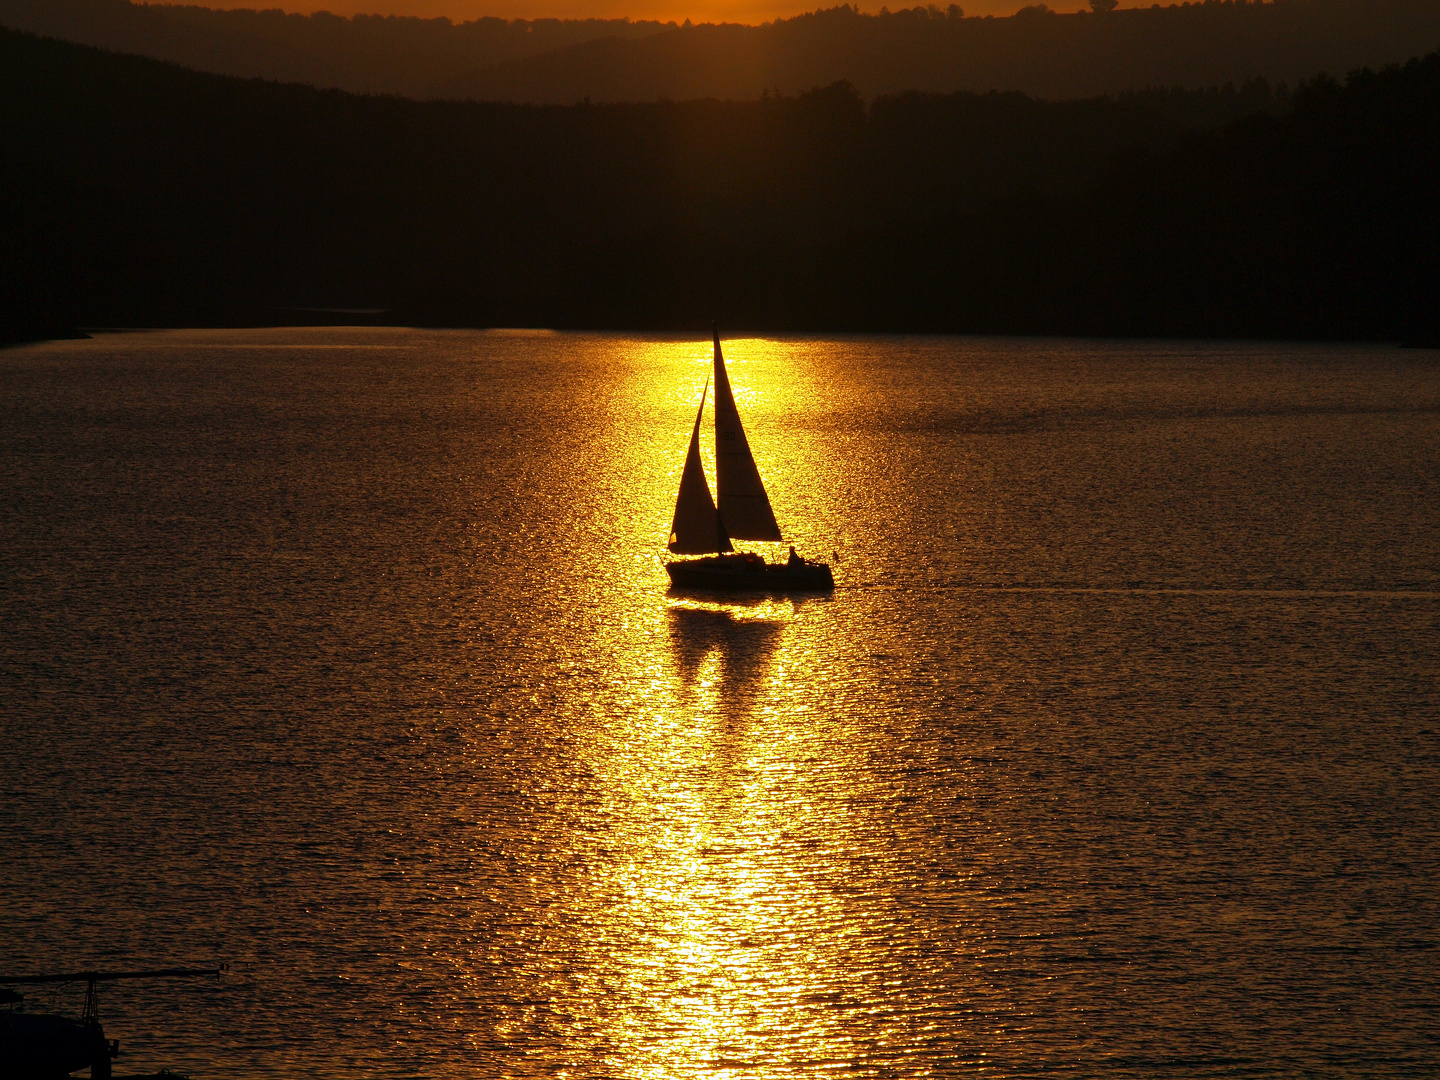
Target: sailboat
(703,527)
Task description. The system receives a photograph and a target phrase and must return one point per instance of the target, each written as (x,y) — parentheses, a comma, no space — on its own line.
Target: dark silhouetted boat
(701,527)
(43,1046)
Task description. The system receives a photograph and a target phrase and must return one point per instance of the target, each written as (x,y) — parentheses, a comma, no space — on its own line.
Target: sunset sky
(748,11)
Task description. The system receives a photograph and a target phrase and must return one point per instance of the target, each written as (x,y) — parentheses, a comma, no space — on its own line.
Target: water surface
(345,656)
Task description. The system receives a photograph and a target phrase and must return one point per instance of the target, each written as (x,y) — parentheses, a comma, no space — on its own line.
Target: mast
(697,528)
(744,506)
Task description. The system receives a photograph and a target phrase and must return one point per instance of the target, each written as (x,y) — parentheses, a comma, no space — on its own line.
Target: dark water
(344,656)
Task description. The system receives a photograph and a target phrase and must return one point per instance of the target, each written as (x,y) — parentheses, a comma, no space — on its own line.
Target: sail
(744,506)
(697,529)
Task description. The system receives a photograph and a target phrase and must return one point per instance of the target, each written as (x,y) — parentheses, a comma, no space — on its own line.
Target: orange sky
(748,11)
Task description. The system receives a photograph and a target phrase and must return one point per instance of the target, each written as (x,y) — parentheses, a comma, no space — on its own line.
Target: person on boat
(795,560)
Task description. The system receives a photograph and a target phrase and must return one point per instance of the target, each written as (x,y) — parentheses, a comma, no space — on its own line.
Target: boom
(91,1015)
(109,976)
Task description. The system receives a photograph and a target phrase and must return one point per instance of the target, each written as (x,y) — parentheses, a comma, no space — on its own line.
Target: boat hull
(738,573)
(45,1047)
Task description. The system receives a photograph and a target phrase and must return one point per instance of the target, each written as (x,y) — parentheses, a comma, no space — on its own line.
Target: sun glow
(752,12)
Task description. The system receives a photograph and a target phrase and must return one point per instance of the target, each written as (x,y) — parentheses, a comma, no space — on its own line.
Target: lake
(345,656)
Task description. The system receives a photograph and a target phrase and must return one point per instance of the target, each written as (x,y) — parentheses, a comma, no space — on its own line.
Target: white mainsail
(744,506)
(697,528)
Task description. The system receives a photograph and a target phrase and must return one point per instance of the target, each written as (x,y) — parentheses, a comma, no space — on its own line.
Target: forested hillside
(1036,52)
(136,193)
(920,48)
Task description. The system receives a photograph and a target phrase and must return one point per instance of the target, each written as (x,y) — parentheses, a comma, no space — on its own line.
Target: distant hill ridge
(564,61)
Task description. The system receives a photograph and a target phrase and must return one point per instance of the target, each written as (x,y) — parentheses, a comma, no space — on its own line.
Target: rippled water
(344,656)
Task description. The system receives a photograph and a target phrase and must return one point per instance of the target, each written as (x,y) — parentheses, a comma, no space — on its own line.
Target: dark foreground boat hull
(733,574)
(45,1047)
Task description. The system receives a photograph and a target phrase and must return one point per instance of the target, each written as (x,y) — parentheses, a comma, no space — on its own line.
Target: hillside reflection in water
(346,656)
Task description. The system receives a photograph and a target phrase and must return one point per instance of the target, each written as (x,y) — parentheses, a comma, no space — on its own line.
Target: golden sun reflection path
(727,895)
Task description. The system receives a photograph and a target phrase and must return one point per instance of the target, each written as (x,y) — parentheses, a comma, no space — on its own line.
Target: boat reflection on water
(745,637)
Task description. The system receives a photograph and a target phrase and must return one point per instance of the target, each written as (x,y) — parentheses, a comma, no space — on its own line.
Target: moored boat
(45,1046)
